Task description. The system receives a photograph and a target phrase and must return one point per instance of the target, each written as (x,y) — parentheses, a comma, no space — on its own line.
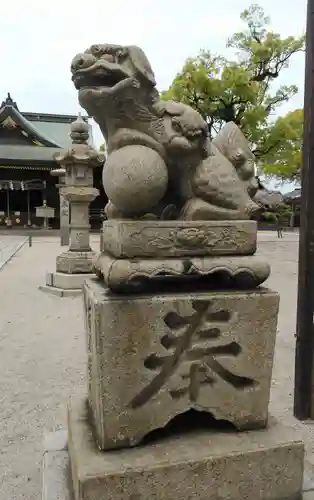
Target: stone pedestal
(179,377)
(203,465)
(180,334)
(154,357)
(163,239)
(138,256)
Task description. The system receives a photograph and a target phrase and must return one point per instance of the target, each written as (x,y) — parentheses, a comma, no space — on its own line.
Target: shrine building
(28,143)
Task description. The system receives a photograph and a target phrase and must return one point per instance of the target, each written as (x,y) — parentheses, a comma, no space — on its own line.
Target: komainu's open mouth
(101,67)
(98,76)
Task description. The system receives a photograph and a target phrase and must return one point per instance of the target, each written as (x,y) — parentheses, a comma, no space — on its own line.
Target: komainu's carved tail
(235,147)
(216,181)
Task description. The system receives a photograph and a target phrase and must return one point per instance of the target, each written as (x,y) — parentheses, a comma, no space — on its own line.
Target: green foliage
(239,90)
(285,157)
(281,213)
(269,217)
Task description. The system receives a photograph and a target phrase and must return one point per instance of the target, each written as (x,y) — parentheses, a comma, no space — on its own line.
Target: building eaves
(26,125)
(10,154)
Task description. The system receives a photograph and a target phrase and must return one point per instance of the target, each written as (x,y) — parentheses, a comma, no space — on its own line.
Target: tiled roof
(13,154)
(48,132)
(11,112)
(292,195)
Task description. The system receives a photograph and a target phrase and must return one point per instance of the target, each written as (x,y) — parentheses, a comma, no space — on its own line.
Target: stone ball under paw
(135,178)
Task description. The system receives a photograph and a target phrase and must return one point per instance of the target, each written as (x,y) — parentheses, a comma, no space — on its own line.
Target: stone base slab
(156,239)
(151,358)
(135,276)
(59,292)
(56,484)
(55,476)
(75,262)
(265,464)
(56,441)
(64,285)
(67,281)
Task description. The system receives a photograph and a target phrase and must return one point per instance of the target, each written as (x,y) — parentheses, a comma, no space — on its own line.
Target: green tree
(284,160)
(240,89)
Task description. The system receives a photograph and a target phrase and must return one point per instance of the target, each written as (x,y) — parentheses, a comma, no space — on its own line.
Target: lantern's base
(64,285)
(75,262)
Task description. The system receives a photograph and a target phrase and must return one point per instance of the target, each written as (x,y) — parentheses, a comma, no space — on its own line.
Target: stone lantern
(78,162)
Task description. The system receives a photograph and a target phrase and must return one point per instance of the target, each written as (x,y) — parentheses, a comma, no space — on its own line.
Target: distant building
(28,143)
(293,199)
(273,200)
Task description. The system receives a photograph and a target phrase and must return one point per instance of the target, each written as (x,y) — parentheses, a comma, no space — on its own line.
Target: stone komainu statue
(161,162)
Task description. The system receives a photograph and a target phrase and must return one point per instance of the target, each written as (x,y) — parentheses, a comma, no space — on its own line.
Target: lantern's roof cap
(79,131)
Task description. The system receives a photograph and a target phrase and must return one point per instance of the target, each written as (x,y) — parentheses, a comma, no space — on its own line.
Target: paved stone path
(43,357)
(9,245)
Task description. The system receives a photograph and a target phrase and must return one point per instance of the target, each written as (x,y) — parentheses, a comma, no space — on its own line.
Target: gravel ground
(9,245)
(43,360)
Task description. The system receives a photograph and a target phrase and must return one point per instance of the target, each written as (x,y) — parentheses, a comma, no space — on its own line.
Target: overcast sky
(39,39)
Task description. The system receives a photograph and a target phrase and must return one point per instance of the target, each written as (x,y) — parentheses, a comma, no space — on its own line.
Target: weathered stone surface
(64,207)
(57,485)
(159,151)
(65,285)
(55,468)
(75,262)
(56,441)
(308,495)
(60,292)
(234,146)
(55,476)
(80,194)
(132,239)
(67,281)
(124,186)
(151,358)
(139,275)
(308,480)
(265,464)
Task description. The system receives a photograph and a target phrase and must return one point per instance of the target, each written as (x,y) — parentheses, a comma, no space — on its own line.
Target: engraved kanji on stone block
(154,357)
(191,352)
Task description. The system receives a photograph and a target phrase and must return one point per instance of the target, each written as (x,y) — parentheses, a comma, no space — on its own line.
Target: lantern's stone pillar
(64,207)
(77,163)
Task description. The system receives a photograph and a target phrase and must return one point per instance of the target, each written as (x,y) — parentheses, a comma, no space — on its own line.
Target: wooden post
(292,216)
(29,222)
(304,390)
(9,222)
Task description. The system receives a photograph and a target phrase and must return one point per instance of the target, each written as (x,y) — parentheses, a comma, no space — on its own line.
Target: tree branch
(260,152)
